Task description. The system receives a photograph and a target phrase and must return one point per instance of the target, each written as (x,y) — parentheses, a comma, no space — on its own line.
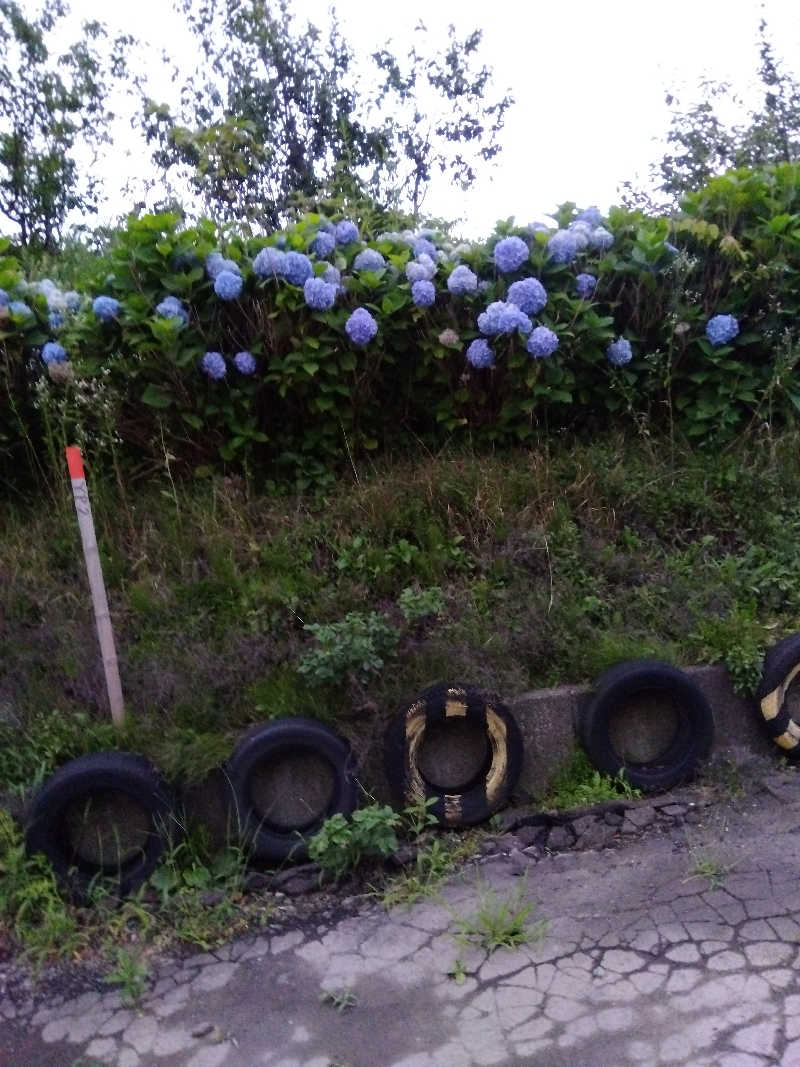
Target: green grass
(501,922)
(579,784)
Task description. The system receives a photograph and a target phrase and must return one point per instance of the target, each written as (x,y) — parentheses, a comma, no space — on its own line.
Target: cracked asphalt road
(643,962)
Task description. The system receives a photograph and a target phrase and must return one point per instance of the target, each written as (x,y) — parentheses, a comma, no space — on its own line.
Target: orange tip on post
(74,462)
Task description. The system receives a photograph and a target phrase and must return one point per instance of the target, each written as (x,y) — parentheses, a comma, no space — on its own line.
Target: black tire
(693,737)
(86,782)
(288,738)
(489,788)
(781,666)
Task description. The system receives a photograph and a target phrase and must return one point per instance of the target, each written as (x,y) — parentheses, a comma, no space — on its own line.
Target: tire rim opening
(292,790)
(105,830)
(645,726)
(454,755)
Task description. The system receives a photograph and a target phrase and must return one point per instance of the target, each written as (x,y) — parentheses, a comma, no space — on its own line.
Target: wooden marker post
(102,617)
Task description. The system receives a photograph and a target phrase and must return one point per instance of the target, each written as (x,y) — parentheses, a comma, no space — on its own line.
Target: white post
(102,617)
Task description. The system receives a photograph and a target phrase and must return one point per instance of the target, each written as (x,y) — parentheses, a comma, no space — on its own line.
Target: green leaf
(156,396)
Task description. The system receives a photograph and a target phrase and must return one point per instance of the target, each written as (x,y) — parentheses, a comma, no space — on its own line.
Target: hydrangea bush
(290,349)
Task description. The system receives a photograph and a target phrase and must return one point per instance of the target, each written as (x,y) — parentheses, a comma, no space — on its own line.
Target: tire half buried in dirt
(104,817)
(777,696)
(649,720)
(456,748)
(286,778)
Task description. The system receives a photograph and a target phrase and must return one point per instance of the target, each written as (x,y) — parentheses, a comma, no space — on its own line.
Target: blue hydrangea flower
(346,232)
(510,254)
(585,284)
(171,308)
(562,246)
(213,364)
(721,329)
(297,268)
(72,300)
(479,354)
(216,264)
(53,353)
(423,293)
(320,295)
(19,307)
(270,263)
(542,342)
(361,327)
(580,231)
(323,244)
(227,285)
(423,247)
(55,320)
(245,363)
(619,352)
(369,259)
(105,308)
(591,215)
(502,317)
(601,239)
(4,298)
(422,269)
(332,275)
(528,294)
(462,281)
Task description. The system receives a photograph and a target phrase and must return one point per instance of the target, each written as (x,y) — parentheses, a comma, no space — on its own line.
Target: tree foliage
(702,144)
(52,104)
(279,109)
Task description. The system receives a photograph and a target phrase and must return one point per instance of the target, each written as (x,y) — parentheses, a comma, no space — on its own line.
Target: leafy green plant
(131,974)
(420,604)
(501,922)
(579,784)
(739,641)
(341,999)
(341,843)
(360,644)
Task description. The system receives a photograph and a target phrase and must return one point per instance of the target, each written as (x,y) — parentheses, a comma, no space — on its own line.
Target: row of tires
(112,815)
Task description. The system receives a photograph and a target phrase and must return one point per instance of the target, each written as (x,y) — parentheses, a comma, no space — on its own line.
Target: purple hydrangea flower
(601,239)
(55,319)
(591,215)
(585,284)
(332,275)
(216,264)
(346,232)
(562,246)
(227,285)
(270,263)
(53,353)
(480,354)
(542,342)
(72,300)
(171,308)
(580,231)
(369,259)
(19,307)
(420,270)
(721,329)
(462,281)
(320,295)
(213,364)
(502,317)
(4,298)
(297,268)
(510,254)
(361,327)
(619,352)
(423,293)
(528,294)
(323,244)
(423,247)
(105,308)
(245,363)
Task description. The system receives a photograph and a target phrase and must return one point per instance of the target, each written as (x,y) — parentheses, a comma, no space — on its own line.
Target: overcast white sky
(588,78)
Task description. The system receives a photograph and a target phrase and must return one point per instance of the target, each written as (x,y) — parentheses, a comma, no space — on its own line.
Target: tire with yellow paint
(488,789)
(781,668)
